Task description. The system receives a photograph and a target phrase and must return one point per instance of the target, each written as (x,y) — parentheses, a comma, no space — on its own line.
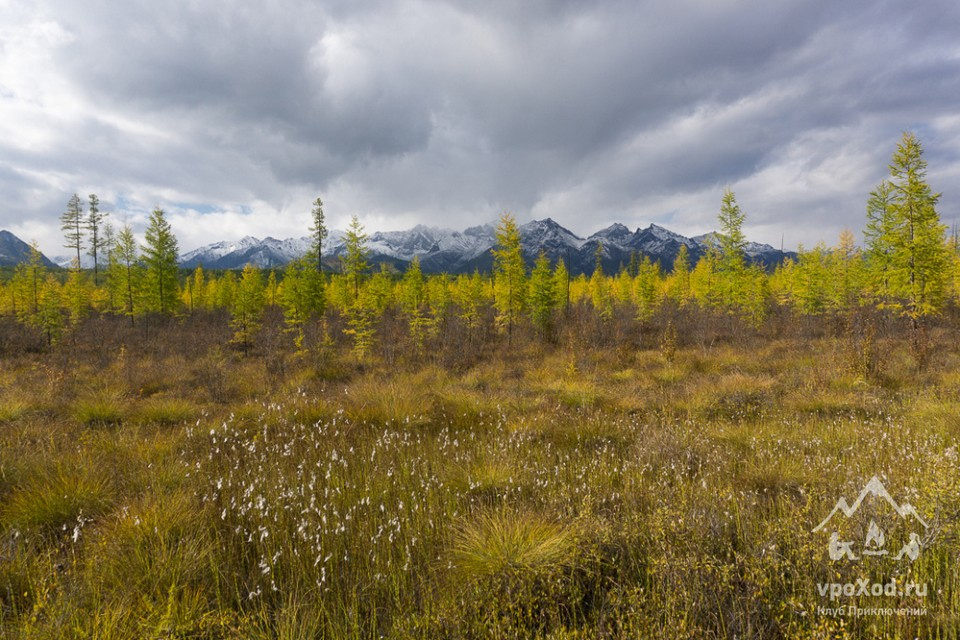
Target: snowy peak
(266,253)
(547,234)
(752,249)
(616,234)
(13,251)
(448,251)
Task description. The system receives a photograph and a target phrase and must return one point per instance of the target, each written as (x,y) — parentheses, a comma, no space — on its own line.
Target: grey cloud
(447,112)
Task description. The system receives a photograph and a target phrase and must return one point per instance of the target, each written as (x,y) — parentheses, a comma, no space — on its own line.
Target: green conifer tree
(509,275)
(160,254)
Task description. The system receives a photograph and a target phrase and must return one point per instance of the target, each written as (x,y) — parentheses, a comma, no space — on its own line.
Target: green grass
(100,410)
(506,543)
(166,411)
(57,502)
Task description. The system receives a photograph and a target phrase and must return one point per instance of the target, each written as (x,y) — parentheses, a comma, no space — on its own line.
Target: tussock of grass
(100,410)
(151,549)
(12,410)
(166,411)
(505,543)
(50,503)
(488,482)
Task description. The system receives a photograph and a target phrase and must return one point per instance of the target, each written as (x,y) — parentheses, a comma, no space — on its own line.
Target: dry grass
(552,492)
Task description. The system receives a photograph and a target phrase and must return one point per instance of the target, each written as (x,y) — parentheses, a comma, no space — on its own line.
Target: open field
(162,485)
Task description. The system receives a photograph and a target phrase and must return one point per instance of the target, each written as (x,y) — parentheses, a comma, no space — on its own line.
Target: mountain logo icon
(875,537)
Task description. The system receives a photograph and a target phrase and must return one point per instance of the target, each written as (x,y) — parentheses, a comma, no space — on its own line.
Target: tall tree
(646,286)
(26,285)
(318,232)
(160,258)
(732,241)
(911,234)
(77,293)
(509,274)
(543,297)
(295,298)
(468,294)
(412,296)
(561,279)
(72,224)
(98,238)
(879,237)
(247,309)
(846,266)
(126,274)
(731,263)
(679,287)
(49,316)
(355,260)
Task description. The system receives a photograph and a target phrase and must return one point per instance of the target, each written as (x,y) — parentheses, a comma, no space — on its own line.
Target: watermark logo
(878,504)
(875,527)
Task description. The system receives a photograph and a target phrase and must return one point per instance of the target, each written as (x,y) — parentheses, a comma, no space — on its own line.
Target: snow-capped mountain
(13,251)
(266,253)
(448,251)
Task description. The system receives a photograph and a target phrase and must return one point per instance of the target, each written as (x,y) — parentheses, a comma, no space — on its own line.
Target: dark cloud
(449,112)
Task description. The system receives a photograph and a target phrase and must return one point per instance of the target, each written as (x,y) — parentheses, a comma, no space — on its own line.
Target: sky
(234,115)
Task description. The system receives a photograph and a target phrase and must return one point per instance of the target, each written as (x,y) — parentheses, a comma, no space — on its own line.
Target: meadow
(620,481)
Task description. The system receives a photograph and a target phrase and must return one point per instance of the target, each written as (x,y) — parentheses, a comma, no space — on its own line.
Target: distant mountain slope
(448,251)
(13,251)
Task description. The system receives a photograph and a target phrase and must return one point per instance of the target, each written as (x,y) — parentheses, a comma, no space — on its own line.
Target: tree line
(907,266)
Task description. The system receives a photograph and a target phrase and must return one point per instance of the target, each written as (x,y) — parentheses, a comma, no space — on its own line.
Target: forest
(361,453)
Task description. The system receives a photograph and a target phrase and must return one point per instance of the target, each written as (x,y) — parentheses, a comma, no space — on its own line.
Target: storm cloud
(234,115)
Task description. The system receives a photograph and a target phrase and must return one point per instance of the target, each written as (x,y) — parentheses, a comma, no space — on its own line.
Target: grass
(504,543)
(57,502)
(102,410)
(617,493)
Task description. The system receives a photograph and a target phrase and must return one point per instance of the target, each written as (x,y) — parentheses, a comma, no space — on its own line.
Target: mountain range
(449,251)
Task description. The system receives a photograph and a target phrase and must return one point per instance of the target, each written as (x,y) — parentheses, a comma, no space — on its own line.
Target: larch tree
(315,282)
(439,300)
(126,274)
(468,295)
(49,316)
(76,292)
(272,288)
(198,290)
(24,286)
(72,224)
(295,298)
(646,288)
(879,237)
(160,258)
(109,241)
(732,240)
(509,275)
(246,313)
(846,268)
(812,280)
(95,222)
(600,294)
(355,254)
(919,258)
(318,233)
(224,289)
(731,244)
(412,296)
(543,297)
(561,285)
(679,284)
